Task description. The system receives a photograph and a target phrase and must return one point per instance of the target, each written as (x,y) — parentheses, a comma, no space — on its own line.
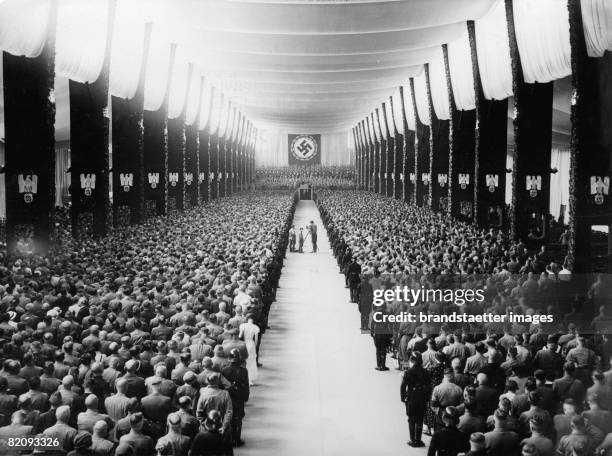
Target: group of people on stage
(329,177)
(480,389)
(143,342)
(300,237)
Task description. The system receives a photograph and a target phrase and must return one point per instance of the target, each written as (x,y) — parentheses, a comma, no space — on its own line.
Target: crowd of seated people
(320,177)
(143,342)
(498,388)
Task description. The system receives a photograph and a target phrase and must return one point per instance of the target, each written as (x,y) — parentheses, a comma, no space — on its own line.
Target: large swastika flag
(304,149)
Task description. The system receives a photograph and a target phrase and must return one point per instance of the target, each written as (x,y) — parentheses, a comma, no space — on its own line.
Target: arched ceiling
(315,64)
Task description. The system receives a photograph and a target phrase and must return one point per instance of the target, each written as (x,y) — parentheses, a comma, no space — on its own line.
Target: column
(89,149)
(389,156)
(128,150)
(422,169)
(156,152)
(398,156)
(193,173)
(408,175)
(490,146)
(529,210)
(591,148)
(461,164)
(382,156)
(439,155)
(29,116)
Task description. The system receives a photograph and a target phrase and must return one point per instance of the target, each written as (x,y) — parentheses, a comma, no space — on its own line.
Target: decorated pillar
(408,175)
(529,210)
(439,155)
(91,212)
(376,147)
(382,155)
(389,156)
(156,151)
(398,157)
(366,154)
(128,150)
(371,155)
(193,173)
(29,116)
(422,173)
(176,155)
(490,149)
(461,164)
(590,148)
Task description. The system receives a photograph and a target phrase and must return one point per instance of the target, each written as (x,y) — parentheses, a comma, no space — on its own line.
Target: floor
(318,393)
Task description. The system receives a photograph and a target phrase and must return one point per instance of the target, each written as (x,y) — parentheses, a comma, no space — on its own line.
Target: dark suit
(238,376)
(156,408)
(414,393)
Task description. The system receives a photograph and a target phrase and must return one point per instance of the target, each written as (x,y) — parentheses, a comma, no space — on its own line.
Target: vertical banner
(304,150)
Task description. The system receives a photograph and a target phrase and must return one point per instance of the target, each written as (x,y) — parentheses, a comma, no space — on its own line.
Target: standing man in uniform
(301,240)
(312,228)
(292,237)
(354,273)
(238,376)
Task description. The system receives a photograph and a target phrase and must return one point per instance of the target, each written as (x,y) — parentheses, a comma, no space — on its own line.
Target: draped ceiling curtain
(597,23)
(420,94)
(439,88)
(23,26)
(462,77)
(494,53)
(542,35)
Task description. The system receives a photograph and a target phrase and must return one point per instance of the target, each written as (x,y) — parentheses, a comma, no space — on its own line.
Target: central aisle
(318,392)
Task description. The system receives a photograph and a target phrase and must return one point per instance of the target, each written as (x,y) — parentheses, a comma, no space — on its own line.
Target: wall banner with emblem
(304,150)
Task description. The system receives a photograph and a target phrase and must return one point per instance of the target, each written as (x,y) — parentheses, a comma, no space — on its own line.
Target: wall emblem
(153,179)
(28,186)
(173,178)
(533,184)
(126,180)
(492,182)
(600,187)
(88,183)
(464,180)
(442,180)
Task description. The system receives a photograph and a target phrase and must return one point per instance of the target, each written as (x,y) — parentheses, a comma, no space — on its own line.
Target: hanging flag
(304,149)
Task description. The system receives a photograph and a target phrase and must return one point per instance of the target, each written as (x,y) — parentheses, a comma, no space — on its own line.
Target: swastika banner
(304,150)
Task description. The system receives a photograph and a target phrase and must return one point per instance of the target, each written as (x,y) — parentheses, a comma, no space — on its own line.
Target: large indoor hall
(305,227)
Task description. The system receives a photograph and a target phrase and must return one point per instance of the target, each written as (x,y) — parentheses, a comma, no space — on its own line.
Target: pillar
(156,152)
(389,157)
(490,146)
(422,169)
(176,155)
(439,154)
(529,210)
(371,154)
(193,173)
(128,150)
(89,149)
(409,156)
(461,164)
(591,150)
(29,116)
(382,155)
(398,157)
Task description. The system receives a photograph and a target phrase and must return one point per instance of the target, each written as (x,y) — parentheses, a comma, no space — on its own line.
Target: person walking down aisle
(249,332)
(414,393)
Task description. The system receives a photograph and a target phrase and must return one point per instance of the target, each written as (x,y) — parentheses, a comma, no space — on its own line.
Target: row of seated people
(514,386)
(143,342)
(291,177)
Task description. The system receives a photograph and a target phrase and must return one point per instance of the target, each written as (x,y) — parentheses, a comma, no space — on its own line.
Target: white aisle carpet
(318,393)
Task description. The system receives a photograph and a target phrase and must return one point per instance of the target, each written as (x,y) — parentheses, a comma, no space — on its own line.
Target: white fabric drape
(158,63)
(81,39)
(439,88)
(23,26)
(194,98)
(542,35)
(559,182)
(62,178)
(180,73)
(493,51)
(422,102)
(509,165)
(462,77)
(597,23)
(205,106)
